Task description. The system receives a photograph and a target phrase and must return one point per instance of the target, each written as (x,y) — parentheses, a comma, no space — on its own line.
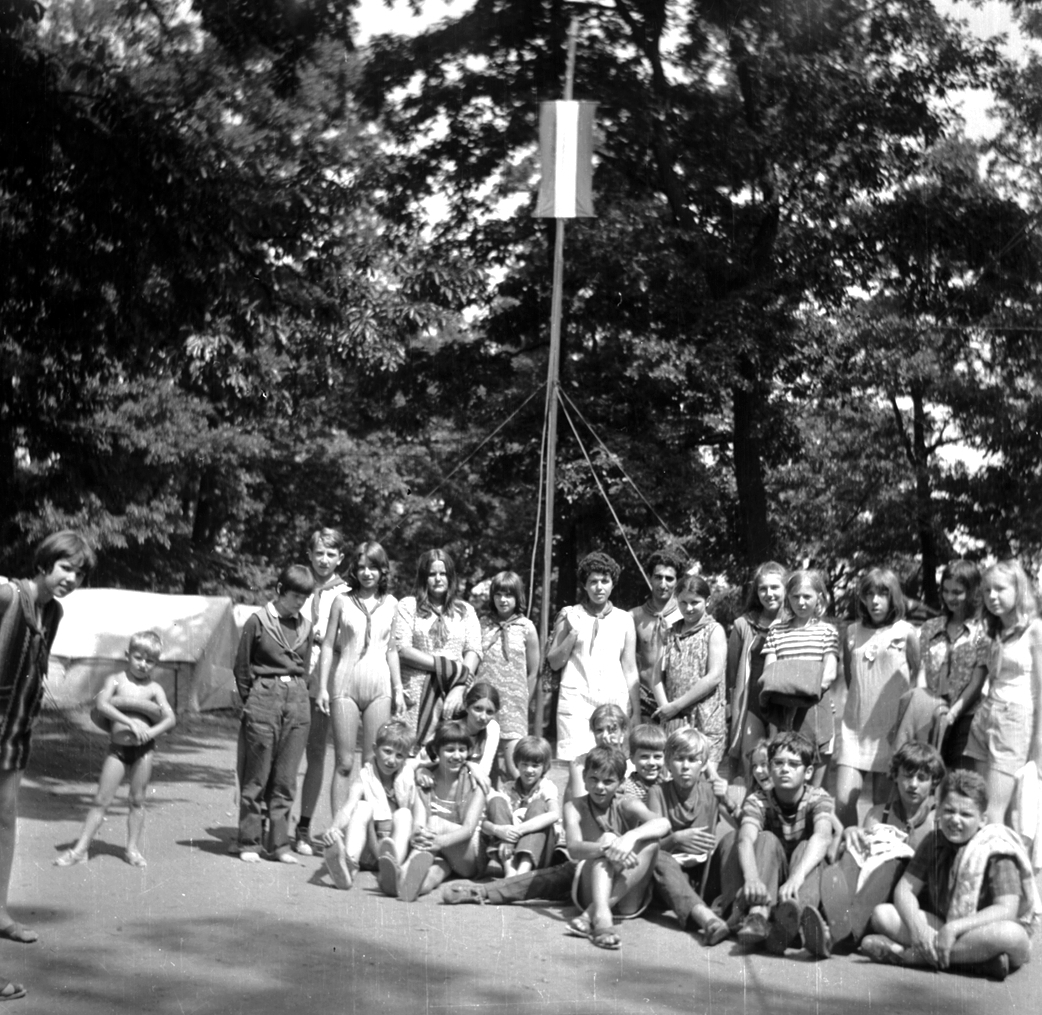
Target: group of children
(913,864)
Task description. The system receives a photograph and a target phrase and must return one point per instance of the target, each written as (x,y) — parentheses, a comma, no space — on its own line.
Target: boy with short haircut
(614,840)
(653,619)
(782,840)
(325,555)
(134,710)
(647,754)
(271,676)
(30,611)
(520,819)
(689,803)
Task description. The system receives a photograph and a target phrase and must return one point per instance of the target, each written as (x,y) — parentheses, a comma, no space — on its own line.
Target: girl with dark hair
(509,658)
(359,681)
(439,643)
(954,649)
(595,645)
(881,654)
(764,606)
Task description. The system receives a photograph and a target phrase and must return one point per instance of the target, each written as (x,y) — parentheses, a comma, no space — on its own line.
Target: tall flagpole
(552,382)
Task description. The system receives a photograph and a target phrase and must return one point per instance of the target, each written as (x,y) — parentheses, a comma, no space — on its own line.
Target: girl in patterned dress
(882,652)
(688,681)
(509,659)
(439,643)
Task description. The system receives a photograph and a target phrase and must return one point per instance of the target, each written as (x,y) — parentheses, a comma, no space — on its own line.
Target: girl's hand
(481,780)
(789,890)
(946,938)
(924,941)
(719,785)
(422,838)
(400,705)
(423,777)
(453,701)
(755,892)
(322,701)
(665,712)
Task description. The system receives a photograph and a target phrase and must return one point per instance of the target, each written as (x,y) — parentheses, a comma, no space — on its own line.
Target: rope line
(616,461)
(604,493)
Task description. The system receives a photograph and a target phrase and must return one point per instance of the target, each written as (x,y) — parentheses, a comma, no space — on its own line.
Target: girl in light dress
(359,679)
(595,645)
(688,680)
(881,655)
(509,659)
(1007,730)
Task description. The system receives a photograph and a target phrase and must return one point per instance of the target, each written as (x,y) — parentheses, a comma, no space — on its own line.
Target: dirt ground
(200,932)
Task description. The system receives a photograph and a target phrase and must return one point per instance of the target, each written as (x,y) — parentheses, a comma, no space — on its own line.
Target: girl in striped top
(805,636)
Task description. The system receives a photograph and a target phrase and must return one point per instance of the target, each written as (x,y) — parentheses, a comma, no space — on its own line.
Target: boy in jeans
(271,676)
(782,840)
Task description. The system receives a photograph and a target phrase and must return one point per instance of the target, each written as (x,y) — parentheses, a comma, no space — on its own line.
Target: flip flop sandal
(19,933)
(11,991)
(336,864)
(580,926)
(388,875)
(413,874)
(606,938)
(881,949)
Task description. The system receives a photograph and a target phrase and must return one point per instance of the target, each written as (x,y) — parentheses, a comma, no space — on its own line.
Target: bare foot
(249,856)
(134,858)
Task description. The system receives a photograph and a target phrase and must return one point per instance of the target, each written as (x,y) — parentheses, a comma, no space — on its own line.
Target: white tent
(199,635)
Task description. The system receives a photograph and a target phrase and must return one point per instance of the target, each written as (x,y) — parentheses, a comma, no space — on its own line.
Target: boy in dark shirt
(271,675)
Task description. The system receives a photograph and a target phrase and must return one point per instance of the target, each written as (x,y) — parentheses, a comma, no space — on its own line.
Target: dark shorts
(130,754)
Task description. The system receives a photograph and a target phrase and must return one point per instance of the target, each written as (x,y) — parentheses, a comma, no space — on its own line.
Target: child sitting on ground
(376,819)
(968,897)
(445,821)
(520,820)
(647,755)
(784,835)
(609,725)
(614,840)
(874,856)
(688,801)
(135,711)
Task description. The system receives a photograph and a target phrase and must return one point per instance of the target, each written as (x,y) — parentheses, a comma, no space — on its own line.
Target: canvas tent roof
(199,635)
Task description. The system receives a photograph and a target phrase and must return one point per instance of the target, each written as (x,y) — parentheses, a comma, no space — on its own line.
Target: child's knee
(136,799)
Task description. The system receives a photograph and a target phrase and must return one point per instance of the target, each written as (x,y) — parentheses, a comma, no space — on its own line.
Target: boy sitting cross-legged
(783,837)
(615,841)
(689,803)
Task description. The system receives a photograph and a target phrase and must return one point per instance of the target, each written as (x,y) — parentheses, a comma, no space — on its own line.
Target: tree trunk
(754,538)
(923,505)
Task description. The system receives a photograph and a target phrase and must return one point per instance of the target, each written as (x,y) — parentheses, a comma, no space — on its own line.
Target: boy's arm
(343,815)
(575,787)
(578,847)
(906,902)
(658,687)
(242,668)
(754,890)
(103,703)
(168,720)
(652,827)
(815,852)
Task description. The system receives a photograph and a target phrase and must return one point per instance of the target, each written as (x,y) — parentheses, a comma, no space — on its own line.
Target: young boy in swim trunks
(615,841)
(135,710)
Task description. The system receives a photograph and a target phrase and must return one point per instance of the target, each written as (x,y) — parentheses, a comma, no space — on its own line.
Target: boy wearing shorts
(133,709)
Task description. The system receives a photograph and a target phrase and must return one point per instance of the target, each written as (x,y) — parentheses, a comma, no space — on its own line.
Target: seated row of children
(771,872)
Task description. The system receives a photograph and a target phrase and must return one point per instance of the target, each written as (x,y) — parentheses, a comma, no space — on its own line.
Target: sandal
(715,931)
(580,926)
(606,938)
(11,991)
(134,858)
(879,948)
(414,873)
(70,858)
(19,933)
(456,892)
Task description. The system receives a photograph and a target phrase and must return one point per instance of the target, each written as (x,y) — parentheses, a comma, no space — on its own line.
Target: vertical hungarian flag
(566,156)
